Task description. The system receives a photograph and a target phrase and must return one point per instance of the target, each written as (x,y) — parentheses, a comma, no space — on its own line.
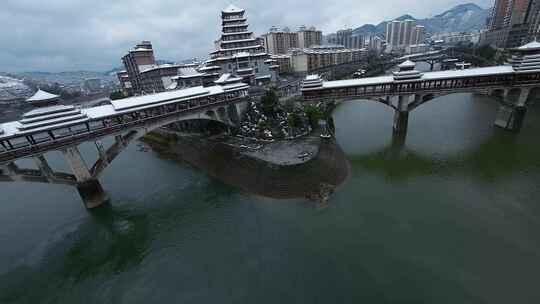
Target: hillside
(462,18)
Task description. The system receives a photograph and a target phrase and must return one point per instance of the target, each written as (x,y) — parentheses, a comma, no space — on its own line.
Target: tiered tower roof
(231,9)
(407,71)
(526,58)
(235,36)
(41,96)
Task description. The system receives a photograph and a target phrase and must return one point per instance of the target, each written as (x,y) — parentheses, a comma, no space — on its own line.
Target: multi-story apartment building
(144,75)
(400,34)
(455,38)
(375,43)
(534,20)
(512,23)
(283,61)
(348,39)
(138,59)
(311,59)
(238,52)
(308,37)
(280,41)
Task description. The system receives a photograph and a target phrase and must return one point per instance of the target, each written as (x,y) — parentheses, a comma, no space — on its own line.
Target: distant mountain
(462,18)
(12,88)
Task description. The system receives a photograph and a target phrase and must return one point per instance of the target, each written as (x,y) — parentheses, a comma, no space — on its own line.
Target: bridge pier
(401,122)
(89,188)
(510,116)
(401,118)
(44,167)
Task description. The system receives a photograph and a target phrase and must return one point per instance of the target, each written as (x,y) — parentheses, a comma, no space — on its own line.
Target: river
(451,217)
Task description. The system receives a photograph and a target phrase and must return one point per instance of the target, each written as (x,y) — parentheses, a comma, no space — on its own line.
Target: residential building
(138,59)
(348,39)
(280,41)
(311,59)
(455,38)
(416,48)
(283,61)
(145,76)
(418,35)
(400,34)
(308,37)
(512,23)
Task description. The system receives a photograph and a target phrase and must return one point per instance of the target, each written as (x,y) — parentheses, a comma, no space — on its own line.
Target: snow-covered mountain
(11,88)
(462,18)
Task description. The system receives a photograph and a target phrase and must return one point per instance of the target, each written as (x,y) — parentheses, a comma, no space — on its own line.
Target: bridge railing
(39,143)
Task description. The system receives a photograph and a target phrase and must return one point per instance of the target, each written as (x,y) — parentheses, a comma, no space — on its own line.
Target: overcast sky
(67,35)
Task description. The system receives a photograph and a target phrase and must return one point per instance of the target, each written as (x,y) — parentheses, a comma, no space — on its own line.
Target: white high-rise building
(400,34)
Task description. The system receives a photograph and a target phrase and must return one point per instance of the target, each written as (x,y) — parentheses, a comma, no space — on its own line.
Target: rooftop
(55,117)
(227,78)
(232,9)
(531,46)
(407,64)
(41,95)
(495,70)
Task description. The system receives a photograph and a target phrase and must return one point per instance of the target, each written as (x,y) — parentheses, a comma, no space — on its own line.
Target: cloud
(60,35)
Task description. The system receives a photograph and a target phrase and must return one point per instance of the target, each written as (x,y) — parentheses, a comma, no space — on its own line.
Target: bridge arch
(64,128)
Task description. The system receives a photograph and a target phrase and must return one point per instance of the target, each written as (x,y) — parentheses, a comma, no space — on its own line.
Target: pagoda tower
(238,52)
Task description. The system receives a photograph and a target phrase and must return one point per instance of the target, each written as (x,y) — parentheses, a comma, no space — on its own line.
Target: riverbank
(309,167)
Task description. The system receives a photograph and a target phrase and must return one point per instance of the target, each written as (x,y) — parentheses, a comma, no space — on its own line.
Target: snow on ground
(11,88)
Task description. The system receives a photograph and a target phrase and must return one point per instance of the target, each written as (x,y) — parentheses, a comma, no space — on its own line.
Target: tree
(486,52)
(314,114)
(117,95)
(294,120)
(269,102)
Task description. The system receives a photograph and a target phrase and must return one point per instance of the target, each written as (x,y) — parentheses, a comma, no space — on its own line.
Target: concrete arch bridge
(64,128)
(514,85)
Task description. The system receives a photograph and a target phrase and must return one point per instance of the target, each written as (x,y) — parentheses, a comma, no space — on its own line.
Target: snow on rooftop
(48,111)
(232,9)
(227,78)
(145,69)
(535,45)
(139,101)
(99,111)
(242,54)
(495,70)
(41,95)
(188,72)
(358,82)
(407,64)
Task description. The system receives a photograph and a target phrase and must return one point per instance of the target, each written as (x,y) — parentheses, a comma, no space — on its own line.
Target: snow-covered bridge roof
(48,118)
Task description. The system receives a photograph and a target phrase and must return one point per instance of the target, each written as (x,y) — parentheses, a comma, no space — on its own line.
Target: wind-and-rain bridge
(63,128)
(514,85)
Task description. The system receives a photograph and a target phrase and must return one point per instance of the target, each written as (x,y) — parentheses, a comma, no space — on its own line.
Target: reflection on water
(450,217)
